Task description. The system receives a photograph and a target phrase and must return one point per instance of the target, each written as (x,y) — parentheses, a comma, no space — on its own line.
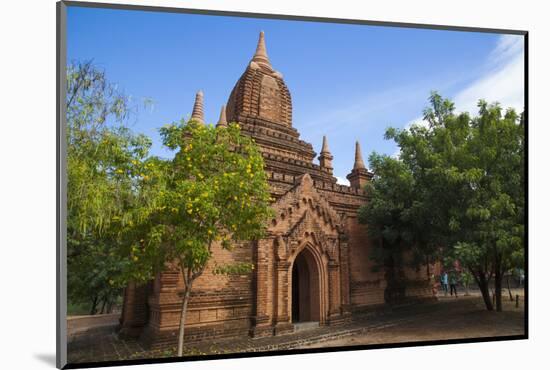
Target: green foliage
(467,278)
(131,215)
(105,170)
(488,214)
(456,189)
(214,192)
(104,158)
(77,309)
(399,214)
(234,269)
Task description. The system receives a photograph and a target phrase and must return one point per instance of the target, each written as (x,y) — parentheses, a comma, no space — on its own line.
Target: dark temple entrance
(305,289)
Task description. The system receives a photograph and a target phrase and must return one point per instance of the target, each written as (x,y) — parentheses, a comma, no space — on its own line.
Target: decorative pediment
(301,197)
(304,215)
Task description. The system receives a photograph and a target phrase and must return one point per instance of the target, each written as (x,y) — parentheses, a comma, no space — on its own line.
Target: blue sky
(349,82)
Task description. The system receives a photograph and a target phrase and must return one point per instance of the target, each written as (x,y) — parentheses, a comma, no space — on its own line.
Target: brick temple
(313,266)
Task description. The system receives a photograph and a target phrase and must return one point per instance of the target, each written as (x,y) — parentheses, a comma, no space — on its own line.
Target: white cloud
(508,46)
(505,81)
(418,121)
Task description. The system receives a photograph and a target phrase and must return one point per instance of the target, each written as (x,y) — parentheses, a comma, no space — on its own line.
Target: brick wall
(220,305)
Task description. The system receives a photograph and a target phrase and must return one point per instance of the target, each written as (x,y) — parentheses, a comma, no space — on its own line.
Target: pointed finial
(223,120)
(198,110)
(260,56)
(359,164)
(325,149)
(325,158)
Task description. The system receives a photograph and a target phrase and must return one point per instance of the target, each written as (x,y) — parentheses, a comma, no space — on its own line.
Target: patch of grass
(74,309)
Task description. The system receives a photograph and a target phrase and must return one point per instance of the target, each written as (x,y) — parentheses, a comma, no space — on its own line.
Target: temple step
(308,325)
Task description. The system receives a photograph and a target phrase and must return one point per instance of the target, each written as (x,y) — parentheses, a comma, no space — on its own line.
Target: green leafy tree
(402,213)
(105,173)
(213,192)
(457,190)
(467,278)
(398,219)
(490,218)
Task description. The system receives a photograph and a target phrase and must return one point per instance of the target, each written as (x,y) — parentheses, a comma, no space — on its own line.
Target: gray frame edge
(61,188)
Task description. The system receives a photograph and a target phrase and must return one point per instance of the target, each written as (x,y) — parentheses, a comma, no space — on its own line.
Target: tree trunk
(498,289)
(110,305)
(94,306)
(509,290)
(186,295)
(103,306)
(483,284)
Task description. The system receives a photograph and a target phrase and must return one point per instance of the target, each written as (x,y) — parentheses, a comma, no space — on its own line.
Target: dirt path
(448,318)
(464,318)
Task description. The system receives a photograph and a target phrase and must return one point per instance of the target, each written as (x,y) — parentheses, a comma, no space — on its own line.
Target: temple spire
(359,164)
(359,175)
(325,158)
(325,149)
(223,120)
(198,109)
(260,56)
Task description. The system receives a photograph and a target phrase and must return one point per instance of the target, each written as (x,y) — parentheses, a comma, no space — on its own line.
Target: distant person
(445,282)
(452,282)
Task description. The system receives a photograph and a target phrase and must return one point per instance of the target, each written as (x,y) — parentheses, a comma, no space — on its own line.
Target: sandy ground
(465,317)
(446,318)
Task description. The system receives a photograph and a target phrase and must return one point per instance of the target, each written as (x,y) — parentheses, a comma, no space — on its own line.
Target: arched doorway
(305,288)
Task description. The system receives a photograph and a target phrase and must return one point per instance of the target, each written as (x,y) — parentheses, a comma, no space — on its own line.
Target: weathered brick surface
(316,218)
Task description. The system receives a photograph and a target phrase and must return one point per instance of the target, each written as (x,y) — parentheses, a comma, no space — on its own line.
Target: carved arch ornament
(305,221)
(304,214)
